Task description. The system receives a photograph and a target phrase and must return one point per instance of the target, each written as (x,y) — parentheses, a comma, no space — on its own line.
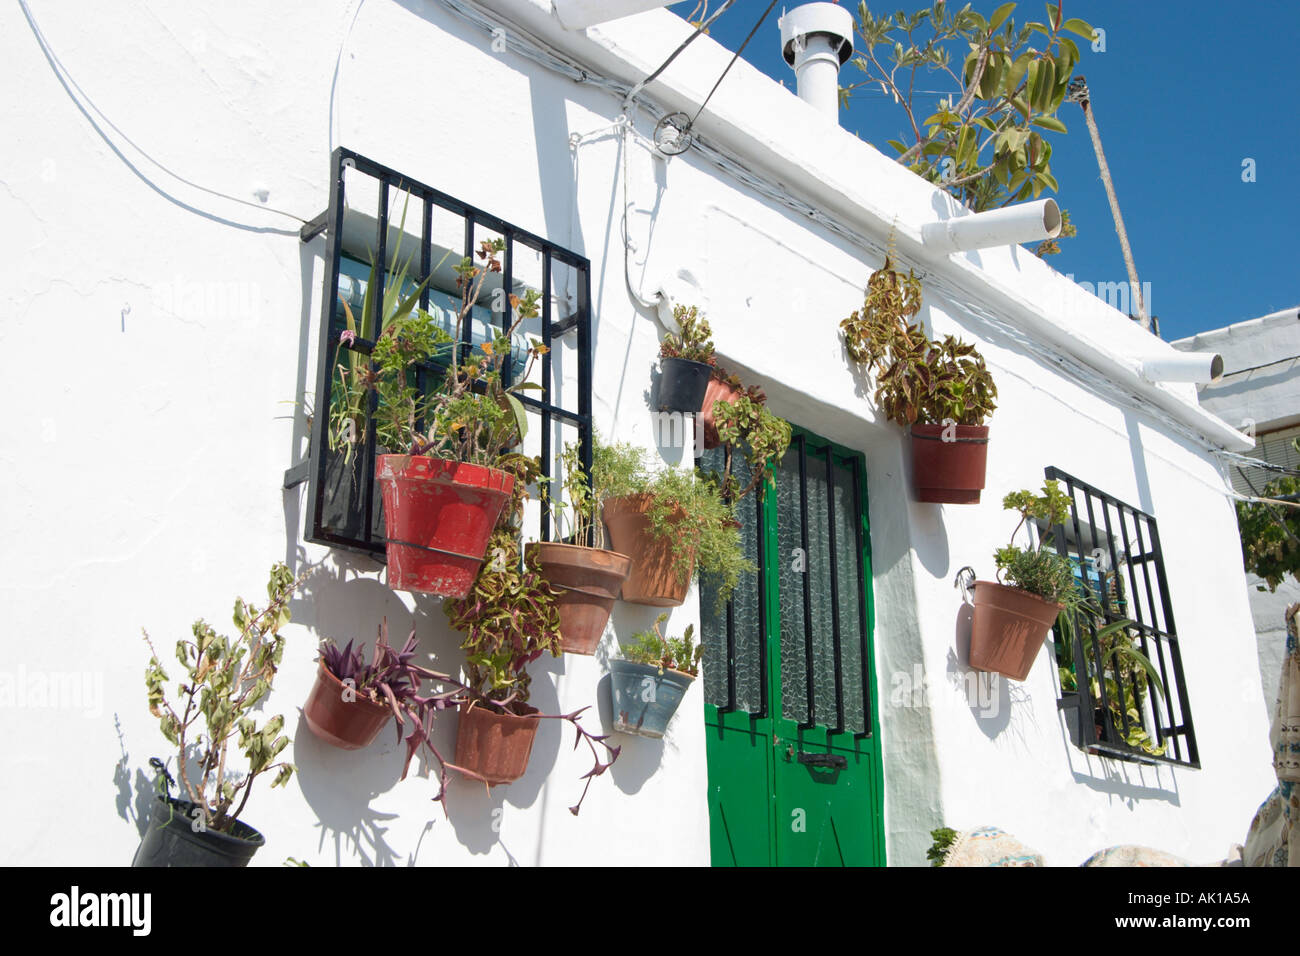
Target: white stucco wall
(145,483)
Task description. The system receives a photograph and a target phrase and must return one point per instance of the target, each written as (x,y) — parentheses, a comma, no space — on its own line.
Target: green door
(793,743)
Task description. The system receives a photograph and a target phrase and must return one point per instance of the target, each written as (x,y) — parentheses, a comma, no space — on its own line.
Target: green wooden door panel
(740,814)
(811,687)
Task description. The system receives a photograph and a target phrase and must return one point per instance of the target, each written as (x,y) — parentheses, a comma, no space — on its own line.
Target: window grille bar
(807,588)
(761,583)
(507,313)
(835,592)
(583,317)
(863,651)
(1188,737)
(381,278)
(546,384)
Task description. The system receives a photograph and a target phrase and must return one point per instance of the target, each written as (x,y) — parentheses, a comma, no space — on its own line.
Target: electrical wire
(699,31)
(86,101)
(735,56)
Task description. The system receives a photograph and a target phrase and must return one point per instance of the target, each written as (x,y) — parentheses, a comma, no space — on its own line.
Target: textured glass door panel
(848,579)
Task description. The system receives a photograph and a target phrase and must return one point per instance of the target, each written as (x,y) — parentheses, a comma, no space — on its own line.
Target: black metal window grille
(1120,569)
(344,509)
(816,505)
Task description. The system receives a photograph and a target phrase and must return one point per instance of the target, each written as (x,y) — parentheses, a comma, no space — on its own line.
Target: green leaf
(1050,122)
(1078,28)
(521,416)
(1000,14)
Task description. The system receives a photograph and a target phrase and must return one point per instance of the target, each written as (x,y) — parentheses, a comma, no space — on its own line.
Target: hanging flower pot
(1007,628)
(340,716)
(175,838)
(683,384)
(653,579)
(438,515)
(949,470)
(643,698)
(494,745)
(718,390)
(588,580)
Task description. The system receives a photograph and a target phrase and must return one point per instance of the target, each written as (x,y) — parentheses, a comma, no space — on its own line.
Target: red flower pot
(494,745)
(948,462)
(588,580)
(348,723)
(1008,628)
(718,391)
(438,516)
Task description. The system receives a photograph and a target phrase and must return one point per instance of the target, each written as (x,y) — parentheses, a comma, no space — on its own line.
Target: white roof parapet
(833,170)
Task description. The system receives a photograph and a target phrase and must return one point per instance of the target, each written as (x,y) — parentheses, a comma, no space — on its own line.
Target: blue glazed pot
(643,700)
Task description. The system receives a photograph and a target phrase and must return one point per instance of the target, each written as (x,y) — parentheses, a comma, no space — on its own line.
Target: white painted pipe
(1025,222)
(580,14)
(1203,368)
(816,40)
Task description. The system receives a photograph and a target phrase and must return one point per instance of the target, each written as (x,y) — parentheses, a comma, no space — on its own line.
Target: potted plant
(648,682)
(586,578)
(723,387)
(509,618)
(941,390)
(351,700)
(745,422)
(441,485)
(686,362)
(1011,620)
(225,683)
(673,523)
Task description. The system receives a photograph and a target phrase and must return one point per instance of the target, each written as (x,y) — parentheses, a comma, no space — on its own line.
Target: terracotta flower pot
(588,580)
(652,579)
(438,516)
(493,745)
(949,470)
(348,723)
(718,391)
(682,384)
(1008,628)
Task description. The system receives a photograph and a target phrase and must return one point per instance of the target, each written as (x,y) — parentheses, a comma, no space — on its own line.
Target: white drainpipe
(817,39)
(580,14)
(1203,368)
(1026,222)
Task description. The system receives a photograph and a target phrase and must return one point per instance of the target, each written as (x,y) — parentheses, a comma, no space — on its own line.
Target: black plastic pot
(172,841)
(682,384)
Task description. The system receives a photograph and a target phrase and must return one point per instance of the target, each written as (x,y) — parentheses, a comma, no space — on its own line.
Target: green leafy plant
(612,466)
(917,380)
(693,341)
(689,511)
(667,653)
(746,423)
(943,839)
(474,415)
(1270,533)
(510,619)
(1002,86)
(225,681)
(1039,569)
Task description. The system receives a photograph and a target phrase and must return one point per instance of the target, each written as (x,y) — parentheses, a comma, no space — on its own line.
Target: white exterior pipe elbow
(1203,368)
(580,14)
(816,40)
(1025,222)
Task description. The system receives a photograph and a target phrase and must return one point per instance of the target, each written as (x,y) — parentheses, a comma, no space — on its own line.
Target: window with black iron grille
(378,216)
(1122,690)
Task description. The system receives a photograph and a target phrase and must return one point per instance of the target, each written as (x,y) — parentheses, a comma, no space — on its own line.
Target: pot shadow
(639,758)
(987,695)
(339,785)
(134,797)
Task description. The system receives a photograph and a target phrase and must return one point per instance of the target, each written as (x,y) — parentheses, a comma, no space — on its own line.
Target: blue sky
(1183,93)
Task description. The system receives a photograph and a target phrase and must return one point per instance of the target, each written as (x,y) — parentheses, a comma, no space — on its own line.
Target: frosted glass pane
(848,579)
(794,703)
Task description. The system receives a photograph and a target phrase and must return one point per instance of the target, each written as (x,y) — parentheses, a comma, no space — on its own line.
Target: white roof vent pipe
(580,14)
(1025,222)
(817,39)
(1203,368)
